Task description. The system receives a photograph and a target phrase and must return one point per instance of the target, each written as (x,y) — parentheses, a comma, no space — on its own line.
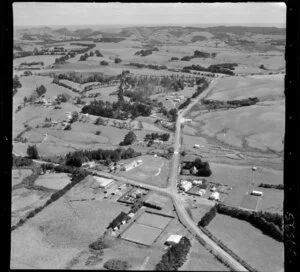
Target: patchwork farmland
(128,141)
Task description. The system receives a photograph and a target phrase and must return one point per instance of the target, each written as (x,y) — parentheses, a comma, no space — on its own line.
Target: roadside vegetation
(175,256)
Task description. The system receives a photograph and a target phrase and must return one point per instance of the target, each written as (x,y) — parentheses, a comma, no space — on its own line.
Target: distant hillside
(154,33)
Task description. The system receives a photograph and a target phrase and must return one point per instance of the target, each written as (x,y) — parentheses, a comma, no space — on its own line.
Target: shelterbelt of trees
(106,156)
(224,68)
(198,54)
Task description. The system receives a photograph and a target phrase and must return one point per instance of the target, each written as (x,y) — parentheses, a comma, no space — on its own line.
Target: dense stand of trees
(202,168)
(96,77)
(16,84)
(175,256)
(206,219)
(272,186)
(32,152)
(76,158)
(199,54)
(32,63)
(216,104)
(117,110)
(129,138)
(145,52)
(224,68)
(149,66)
(115,264)
(153,136)
(18,161)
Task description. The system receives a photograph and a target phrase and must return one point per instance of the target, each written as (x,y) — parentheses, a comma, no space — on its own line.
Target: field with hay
(259,250)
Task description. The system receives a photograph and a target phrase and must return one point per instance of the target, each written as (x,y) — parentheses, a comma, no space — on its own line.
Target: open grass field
(62,226)
(54,181)
(242,180)
(257,126)
(153,170)
(259,250)
(154,220)
(19,174)
(235,88)
(250,202)
(141,234)
(24,201)
(199,259)
(47,59)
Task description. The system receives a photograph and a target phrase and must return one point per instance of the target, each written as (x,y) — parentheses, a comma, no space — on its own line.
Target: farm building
(196,146)
(196,182)
(214,196)
(131,215)
(173,239)
(185,185)
(194,170)
(202,191)
(103,182)
(256,193)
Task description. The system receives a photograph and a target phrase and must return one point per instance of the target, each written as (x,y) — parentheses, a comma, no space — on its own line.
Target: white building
(196,182)
(103,182)
(173,239)
(213,189)
(186,185)
(256,193)
(196,146)
(203,191)
(89,164)
(214,196)
(131,165)
(131,215)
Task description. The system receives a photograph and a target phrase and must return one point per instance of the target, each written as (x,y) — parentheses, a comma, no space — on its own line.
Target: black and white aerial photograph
(148,136)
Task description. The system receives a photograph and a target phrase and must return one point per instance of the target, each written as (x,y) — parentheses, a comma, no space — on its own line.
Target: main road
(171,190)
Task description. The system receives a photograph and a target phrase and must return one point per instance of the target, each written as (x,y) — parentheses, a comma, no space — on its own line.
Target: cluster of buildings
(131,165)
(46,101)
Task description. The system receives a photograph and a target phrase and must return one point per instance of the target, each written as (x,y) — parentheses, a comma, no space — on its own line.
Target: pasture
(141,234)
(153,220)
(235,88)
(63,226)
(257,126)
(259,250)
(54,181)
(19,174)
(242,179)
(153,170)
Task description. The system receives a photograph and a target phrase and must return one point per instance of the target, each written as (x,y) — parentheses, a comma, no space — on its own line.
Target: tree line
(224,68)
(77,157)
(175,256)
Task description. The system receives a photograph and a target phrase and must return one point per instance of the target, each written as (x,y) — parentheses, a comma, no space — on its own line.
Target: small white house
(214,196)
(196,182)
(256,193)
(196,146)
(131,215)
(173,239)
(254,168)
(213,189)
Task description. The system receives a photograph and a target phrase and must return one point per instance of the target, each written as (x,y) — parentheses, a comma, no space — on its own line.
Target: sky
(51,14)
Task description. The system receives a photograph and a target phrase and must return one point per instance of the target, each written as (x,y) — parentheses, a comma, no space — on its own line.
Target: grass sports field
(141,234)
